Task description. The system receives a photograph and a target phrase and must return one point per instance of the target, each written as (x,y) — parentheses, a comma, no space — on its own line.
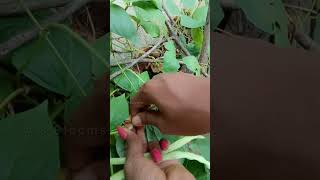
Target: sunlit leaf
(121,23)
(119,111)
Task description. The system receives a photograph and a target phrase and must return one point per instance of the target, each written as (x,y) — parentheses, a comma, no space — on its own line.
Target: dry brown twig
(93,29)
(146,54)
(173,34)
(204,57)
(147,60)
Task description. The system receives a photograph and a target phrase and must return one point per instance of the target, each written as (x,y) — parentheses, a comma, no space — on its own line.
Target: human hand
(85,138)
(138,167)
(183,101)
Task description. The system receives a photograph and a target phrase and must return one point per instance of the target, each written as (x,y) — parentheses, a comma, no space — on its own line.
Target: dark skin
(265,111)
(184,109)
(172,102)
(80,149)
(138,167)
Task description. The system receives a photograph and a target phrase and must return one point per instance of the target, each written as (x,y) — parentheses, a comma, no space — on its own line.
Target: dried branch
(146,60)
(174,35)
(306,42)
(146,54)
(20,39)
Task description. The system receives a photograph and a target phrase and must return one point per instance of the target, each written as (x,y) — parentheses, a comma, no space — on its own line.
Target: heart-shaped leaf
(30,148)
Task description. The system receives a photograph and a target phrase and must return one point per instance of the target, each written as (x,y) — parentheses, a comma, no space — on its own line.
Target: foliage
(42,82)
(189,21)
(29,138)
(273,18)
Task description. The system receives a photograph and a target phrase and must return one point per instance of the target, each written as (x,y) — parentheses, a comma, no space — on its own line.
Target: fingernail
(122,133)
(156,155)
(136,121)
(164,144)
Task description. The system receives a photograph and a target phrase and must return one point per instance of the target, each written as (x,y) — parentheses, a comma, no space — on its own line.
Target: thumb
(146,118)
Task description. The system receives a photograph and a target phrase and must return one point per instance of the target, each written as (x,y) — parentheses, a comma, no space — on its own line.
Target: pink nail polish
(122,133)
(164,144)
(156,155)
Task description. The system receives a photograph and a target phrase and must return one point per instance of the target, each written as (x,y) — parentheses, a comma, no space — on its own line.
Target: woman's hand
(183,101)
(138,167)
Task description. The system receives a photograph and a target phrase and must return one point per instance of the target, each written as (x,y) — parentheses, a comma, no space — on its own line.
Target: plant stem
(300,8)
(204,57)
(11,96)
(30,15)
(138,60)
(57,111)
(91,23)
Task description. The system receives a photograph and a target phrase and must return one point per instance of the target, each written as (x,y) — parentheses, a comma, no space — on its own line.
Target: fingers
(148,117)
(141,135)
(155,151)
(134,142)
(141,100)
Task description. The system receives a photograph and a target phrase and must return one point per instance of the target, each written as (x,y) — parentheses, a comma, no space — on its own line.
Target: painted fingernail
(122,133)
(136,121)
(156,155)
(164,144)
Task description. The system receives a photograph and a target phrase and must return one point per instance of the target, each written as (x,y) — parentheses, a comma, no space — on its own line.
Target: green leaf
(118,175)
(172,8)
(197,37)
(30,146)
(152,29)
(121,23)
(265,14)
(189,4)
(170,46)
(170,63)
(148,16)
(192,64)
(175,155)
(201,147)
(120,147)
(119,111)
(317,30)
(181,142)
(186,155)
(198,169)
(193,49)
(198,18)
(157,4)
(38,62)
(216,14)
(102,46)
(153,133)
(130,81)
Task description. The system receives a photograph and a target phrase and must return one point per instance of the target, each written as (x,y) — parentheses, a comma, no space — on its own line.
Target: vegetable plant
(149,38)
